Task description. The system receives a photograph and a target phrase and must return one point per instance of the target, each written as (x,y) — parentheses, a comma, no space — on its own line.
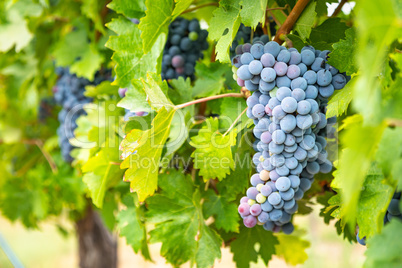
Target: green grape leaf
(384,250)
(213,154)
(224,26)
(15,32)
(131,226)
(305,22)
(156,22)
(210,79)
(296,253)
(360,143)
(130,9)
(156,91)
(101,174)
(180,6)
(181,90)
(237,181)
(327,33)
(131,62)
(339,102)
(389,150)
(91,9)
(253,12)
(104,88)
(224,210)
(179,222)
(343,55)
(88,64)
(297,42)
(136,98)
(244,247)
(230,110)
(373,203)
(143,166)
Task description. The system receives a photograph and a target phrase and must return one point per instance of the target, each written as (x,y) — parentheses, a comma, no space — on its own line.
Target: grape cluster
(186,41)
(393,211)
(69,93)
(288,105)
(244,35)
(45,108)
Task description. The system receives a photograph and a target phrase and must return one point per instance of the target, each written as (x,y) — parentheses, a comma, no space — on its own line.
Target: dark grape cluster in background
(185,44)
(393,211)
(45,108)
(69,93)
(288,105)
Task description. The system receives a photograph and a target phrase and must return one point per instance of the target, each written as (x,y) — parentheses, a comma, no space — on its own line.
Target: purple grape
(267,60)
(268,75)
(250,221)
(255,67)
(304,121)
(307,57)
(246,47)
(244,199)
(266,206)
(278,136)
(255,209)
(293,71)
(338,81)
(278,112)
(258,110)
(303,68)
(275,214)
(283,56)
(266,190)
(252,193)
(311,92)
(283,81)
(266,87)
(177,61)
(273,102)
(299,82)
(244,209)
(263,217)
(255,179)
(272,48)
(289,105)
(275,148)
(291,162)
(283,92)
(324,78)
(288,123)
(274,198)
(243,73)
(311,77)
(318,64)
(298,94)
(326,91)
(280,68)
(303,107)
(295,57)
(282,171)
(266,137)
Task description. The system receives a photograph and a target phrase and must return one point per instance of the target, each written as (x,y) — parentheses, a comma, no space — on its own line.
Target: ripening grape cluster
(288,105)
(185,45)
(69,93)
(393,211)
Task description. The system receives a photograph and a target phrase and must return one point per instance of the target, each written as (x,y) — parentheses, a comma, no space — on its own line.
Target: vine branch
(198,7)
(234,123)
(338,8)
(290,20)
(234,95)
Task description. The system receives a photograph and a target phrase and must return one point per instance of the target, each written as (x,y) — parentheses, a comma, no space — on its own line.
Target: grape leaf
(180,6)
(231,108)
(210,79)
(381,18)
(373,203)
(101,174)
(131,62)
(156,91)
(253,12)
(224,26)
(212,154)
(306,21)
(224,210)
(179,222)
(132,228)
(136,98)
(143,166)
(181,90)
(389,150)
(327,33)
(15,32)
(360,143)
(296,253)
(343,55)
(244,247)
(130,9)
(297,42)
(156,22)
(104,88)
(237,181)
(384,250)
(90,61)
(91,9)
(339,102)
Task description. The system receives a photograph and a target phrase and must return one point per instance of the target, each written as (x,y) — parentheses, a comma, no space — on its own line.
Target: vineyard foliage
(176,174)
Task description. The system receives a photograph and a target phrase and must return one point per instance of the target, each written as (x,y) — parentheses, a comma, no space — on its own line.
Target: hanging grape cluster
(69,93)
(288,105)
